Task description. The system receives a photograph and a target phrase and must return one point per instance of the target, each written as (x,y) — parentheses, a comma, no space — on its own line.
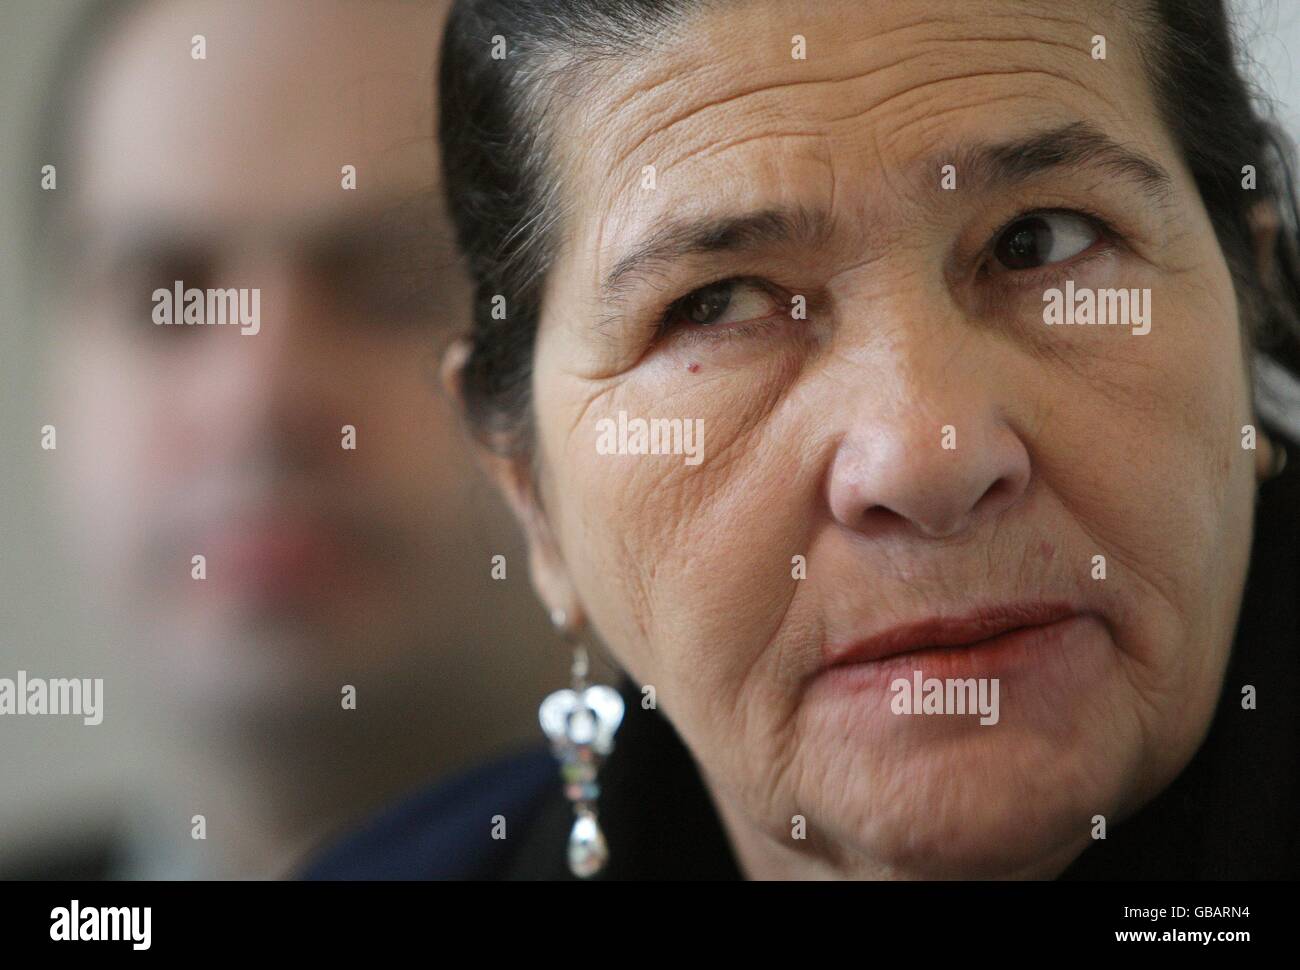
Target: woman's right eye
(1041,239)
(725,303)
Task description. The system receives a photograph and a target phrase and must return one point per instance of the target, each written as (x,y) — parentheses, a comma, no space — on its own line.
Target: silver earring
(580,722)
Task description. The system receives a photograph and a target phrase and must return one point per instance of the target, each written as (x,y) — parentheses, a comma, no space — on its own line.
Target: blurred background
(326,567)
(315,464)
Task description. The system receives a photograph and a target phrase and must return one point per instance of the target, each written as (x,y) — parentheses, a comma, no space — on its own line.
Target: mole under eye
(718,304)
(1043,238)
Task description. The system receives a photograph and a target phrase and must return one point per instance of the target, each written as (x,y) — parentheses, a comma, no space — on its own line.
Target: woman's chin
(973,804)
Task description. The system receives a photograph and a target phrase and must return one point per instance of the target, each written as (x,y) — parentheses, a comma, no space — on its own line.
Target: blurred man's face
(227,172)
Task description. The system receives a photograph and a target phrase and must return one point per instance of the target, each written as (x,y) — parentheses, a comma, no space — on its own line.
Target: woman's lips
(985,630)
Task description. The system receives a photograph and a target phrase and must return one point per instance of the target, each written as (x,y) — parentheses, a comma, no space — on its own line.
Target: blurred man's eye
(193,270)
(379,280)
(122,285)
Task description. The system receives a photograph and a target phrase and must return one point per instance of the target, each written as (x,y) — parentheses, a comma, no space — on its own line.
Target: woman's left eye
(1043,238)
(718,304)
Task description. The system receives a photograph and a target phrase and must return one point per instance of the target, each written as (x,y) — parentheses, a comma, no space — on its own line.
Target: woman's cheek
(685,546)
(1142,451)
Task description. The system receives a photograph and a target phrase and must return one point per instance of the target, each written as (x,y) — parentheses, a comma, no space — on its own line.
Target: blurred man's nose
(927,449)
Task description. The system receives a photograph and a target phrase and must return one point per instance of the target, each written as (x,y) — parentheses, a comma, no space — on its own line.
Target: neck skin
(760,856)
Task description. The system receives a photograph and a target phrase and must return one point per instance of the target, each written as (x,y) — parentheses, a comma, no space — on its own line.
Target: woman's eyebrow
(1078,145)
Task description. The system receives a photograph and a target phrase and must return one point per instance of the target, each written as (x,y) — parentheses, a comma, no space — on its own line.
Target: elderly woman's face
(859,333)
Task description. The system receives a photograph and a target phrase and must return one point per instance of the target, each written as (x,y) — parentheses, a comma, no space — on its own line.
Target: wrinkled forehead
(850,107)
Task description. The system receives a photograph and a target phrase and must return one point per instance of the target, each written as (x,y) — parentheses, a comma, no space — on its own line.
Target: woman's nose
(931,464)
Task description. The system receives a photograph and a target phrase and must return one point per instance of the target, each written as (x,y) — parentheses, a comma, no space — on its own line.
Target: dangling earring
(581,721)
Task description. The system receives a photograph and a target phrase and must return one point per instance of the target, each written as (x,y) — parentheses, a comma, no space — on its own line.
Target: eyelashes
(1063,238)
(705,311)
(1034,249)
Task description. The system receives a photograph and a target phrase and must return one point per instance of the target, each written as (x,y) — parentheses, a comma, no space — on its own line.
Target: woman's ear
(1265,458)
(512,473)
